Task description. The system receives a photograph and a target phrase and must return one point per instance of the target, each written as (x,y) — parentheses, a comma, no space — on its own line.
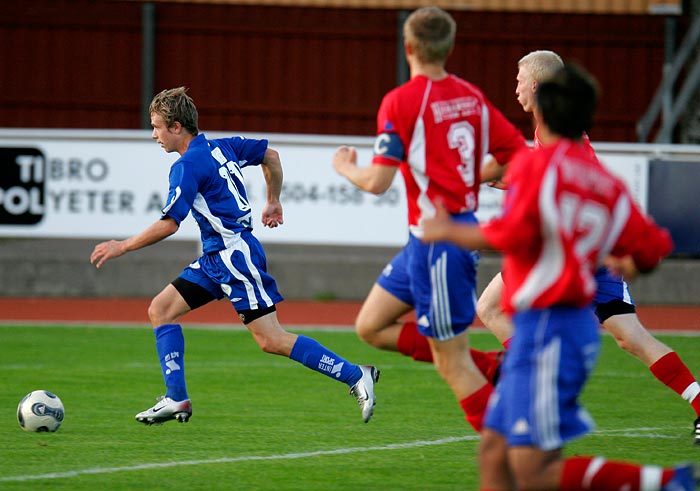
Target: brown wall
(73,64)
(570,6)
(77,64)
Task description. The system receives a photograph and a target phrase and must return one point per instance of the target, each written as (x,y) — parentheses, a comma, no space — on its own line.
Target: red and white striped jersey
(585,140)
(438,133)
(563,213)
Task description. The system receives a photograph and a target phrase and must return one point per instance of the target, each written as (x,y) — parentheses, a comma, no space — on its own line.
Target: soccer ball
(40,410)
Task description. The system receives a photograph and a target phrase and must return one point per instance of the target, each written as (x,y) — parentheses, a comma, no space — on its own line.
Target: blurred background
(85,70)
(318,66)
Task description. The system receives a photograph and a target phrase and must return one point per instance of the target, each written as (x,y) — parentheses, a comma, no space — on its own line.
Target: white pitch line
(241,458)
(219,326)
(626,433)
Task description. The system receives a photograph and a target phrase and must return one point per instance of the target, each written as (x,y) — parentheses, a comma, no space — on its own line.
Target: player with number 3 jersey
(437,130)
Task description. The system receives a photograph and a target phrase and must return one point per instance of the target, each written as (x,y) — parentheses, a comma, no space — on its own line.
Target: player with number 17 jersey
(207,180)
(438,133)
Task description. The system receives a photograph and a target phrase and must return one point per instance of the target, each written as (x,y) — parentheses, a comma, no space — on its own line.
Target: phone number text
(337,194)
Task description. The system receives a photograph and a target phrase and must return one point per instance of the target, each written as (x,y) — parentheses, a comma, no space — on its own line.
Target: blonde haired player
(612,304)
(564,214)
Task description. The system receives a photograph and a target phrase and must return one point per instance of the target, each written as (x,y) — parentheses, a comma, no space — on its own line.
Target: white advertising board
(112,184)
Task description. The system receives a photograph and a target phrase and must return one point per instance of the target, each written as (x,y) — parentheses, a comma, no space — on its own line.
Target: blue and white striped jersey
(207,180)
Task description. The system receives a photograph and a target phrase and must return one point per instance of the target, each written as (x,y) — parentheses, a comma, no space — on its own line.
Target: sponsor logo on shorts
(521,427)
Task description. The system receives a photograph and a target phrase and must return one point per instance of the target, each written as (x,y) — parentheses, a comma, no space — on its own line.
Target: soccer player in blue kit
(207,181)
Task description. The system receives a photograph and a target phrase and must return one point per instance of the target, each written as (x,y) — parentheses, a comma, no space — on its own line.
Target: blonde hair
(541,65)
(175,105)
(430,32)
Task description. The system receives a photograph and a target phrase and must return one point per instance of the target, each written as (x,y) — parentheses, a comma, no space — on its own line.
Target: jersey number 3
(461,137)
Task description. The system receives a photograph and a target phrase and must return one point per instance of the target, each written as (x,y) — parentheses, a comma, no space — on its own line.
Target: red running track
(290,312)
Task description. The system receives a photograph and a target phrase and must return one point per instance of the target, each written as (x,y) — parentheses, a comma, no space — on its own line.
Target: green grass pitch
(263,422)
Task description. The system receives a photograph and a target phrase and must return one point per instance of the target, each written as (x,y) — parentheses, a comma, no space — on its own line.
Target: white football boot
(363,390)
(165,410)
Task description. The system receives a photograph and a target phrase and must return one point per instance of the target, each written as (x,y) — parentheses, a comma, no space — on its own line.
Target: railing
(663,103)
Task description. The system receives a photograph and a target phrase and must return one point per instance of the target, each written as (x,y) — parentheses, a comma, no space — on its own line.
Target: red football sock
(474,406)
(672,372)
(487,362)
(596,473)
(412,343)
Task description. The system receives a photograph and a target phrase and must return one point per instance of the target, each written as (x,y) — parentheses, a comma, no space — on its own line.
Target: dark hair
(568,101)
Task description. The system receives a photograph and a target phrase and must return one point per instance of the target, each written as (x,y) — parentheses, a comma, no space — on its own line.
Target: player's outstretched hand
(272,214)
(437,228)
(104,251)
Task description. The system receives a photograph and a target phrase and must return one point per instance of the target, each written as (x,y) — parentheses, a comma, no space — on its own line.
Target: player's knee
(365,335)
(535,470)
(266,331)
(493,458)
(366,330)
(481,310)
(268,345)
(621,337)
(624,344)
(449,368)
(486,310)
(157,313)
(272,341)
(529,481)
(492,451)
(529,476)
(631,336)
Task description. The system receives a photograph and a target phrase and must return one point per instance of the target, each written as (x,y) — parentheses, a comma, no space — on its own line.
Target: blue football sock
(315,356)
(170,345)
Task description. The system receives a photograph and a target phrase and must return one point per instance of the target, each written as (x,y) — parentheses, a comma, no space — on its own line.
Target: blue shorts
(612,296)
(395,279)
(549,360)
(439,281)
(239,273)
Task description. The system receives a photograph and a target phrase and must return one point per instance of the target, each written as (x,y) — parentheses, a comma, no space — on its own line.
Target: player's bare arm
(272,170)
(114,248)
(492,173)
(491,170)
(374,179)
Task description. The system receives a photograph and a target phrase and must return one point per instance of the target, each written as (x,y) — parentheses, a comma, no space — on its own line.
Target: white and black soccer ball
(40,410)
